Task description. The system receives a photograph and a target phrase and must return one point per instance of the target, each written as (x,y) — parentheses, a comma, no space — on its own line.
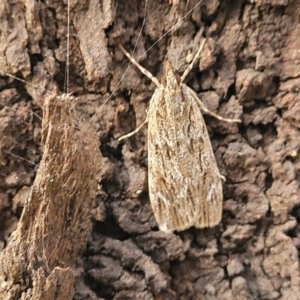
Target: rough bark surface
(250,64)
(42,253)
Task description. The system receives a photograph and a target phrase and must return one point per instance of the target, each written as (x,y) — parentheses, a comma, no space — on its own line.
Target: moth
(185,185)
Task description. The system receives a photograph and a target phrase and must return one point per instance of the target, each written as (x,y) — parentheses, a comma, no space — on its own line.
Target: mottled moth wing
(184,181)
(185,185)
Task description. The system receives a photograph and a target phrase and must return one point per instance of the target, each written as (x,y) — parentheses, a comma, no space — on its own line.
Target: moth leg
(207,111)
(142,69)
(133,132)
(189,68)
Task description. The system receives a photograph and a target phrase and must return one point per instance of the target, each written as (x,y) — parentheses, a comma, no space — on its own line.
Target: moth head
(170,79)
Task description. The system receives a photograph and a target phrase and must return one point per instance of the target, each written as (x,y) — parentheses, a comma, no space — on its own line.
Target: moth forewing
(185,185)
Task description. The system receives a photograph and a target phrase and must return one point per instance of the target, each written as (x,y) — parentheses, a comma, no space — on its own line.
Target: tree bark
(66,246)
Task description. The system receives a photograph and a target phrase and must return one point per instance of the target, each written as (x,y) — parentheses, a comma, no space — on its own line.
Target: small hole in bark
(108,30)
(228,216)
(293,233)
(268,181)
(296,213)
(101,288)
(244,199)
(35,59)
(279,113)
(110,228)
(230,92)
(19,211)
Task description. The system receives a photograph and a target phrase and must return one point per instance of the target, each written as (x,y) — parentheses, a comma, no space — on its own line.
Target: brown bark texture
(38,261)
(75,217)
